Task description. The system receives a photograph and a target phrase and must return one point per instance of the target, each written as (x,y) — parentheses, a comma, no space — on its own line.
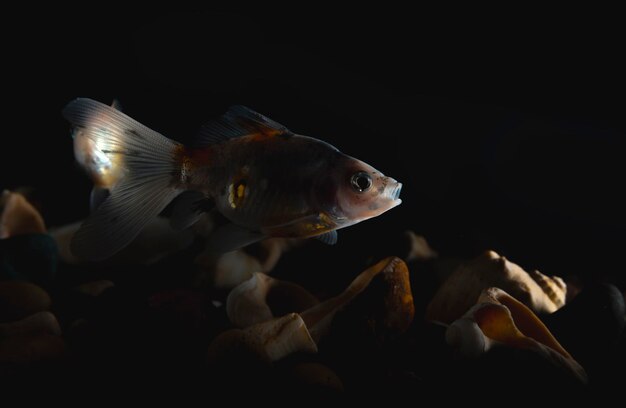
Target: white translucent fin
(97,197)
(114,225)
(150,177)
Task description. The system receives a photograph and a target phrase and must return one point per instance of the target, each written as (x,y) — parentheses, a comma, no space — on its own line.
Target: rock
(591,327)
(20,352)
(94,288)
(31,257)
(419,248)
(499,320)
(21,299)
(36,324)
(317,381)
(264,342)
(262,297)
(18,216)
(541,293)
(383,310)
(227,270)
(379,297)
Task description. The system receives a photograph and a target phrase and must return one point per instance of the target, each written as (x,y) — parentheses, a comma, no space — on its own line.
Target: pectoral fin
(318,225)
(329,238)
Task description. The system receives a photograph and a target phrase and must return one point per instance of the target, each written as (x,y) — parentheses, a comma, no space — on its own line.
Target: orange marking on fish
(200,156)
(259,132)
(192,158)
(257,136)
(236,193)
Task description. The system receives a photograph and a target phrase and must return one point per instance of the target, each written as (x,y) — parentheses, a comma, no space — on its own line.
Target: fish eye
(361,181)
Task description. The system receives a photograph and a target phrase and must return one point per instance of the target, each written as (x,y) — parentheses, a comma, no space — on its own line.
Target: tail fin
(150,168)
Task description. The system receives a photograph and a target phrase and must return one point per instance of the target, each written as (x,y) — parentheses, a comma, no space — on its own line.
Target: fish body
(268,181)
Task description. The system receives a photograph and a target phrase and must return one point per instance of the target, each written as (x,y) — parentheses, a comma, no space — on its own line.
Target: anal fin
(329,238)
(118,220)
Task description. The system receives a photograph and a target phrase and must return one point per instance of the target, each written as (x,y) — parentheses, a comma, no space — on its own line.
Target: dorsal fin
(239,121)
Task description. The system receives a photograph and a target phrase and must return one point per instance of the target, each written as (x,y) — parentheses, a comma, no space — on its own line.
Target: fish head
(362,192)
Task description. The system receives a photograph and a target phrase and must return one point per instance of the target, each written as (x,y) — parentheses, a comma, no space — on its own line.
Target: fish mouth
(393,191)
(395,194)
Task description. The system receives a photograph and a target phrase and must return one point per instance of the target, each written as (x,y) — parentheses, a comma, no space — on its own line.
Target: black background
(505,126)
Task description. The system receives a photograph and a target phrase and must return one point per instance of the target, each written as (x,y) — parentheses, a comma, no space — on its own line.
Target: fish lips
(395,193)
(392,192)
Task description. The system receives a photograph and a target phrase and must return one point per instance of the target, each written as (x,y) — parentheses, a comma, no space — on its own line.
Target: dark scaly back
(208,162)
(277,177)
(258,172)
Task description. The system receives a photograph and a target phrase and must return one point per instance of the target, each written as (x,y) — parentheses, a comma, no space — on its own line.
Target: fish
(265,180)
